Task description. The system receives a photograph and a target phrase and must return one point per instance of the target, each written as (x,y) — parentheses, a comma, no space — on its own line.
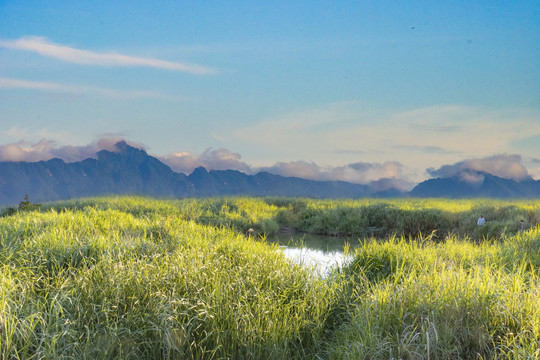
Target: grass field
(140,278)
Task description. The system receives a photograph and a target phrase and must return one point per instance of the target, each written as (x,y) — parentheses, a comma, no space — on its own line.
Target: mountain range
(132,171)
(486,186)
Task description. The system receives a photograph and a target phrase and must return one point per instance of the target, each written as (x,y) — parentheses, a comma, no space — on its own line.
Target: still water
(319,253)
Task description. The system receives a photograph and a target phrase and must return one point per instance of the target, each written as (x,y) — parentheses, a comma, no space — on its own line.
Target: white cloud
(44,47)
(22,151)
(505,166)
(28,136)
(304,133)
(301,169)
(221,159)
(444,132)
(533,165)
(47,149)
(426,137)
(362,173)
(386,175)
(7,83)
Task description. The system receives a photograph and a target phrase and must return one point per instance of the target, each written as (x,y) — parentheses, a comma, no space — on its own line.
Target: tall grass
(407,217)
(355,218)
(104,283)
(455,300)
(140,278)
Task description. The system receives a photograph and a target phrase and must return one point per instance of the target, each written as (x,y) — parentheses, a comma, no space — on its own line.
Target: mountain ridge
(490,186)
(131,171)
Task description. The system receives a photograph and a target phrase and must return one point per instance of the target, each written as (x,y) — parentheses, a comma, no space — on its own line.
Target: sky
(350,90)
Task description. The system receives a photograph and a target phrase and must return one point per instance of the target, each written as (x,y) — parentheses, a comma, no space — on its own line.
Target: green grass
(354,218)
(104,283)
(453,300)
(410,217)
(141,278)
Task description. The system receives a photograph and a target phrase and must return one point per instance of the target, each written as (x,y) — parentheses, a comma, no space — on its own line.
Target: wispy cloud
(28,136)
(7,83)
(220,159)
(423,149)
(361,173)
(42,46)
(46,149)
(419,138)
(302,128)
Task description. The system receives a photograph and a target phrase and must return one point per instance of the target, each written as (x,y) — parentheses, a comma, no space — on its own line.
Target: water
(319,253)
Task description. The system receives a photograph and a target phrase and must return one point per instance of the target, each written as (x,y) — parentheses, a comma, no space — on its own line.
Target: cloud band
(42,46)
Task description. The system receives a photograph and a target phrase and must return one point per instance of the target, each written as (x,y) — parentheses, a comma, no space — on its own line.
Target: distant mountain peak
(200,170)
(472,183)
(129,170)
(123,149)
(122,146)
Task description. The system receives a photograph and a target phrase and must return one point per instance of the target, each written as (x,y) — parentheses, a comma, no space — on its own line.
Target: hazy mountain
(126,171)
(129,170)
(132,171)
(487,185)
(230,182)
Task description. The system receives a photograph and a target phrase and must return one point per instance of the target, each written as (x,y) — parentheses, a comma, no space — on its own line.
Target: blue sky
(352,90)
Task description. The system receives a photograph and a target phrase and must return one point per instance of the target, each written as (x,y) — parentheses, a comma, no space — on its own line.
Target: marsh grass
(363,218)
(91,282)
(443,301)
(140,278)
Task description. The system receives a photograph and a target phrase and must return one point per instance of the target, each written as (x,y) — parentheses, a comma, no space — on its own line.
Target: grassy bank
(407,217)
(363,218)
(138,278)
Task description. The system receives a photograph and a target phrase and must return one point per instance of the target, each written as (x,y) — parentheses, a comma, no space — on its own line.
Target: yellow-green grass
(98,282)
(141,278)
(408,217)
(363,218)
(452,300)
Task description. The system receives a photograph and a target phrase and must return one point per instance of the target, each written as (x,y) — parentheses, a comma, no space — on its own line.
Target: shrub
(26,205)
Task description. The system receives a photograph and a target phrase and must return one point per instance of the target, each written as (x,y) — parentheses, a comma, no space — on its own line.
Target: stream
(320,253)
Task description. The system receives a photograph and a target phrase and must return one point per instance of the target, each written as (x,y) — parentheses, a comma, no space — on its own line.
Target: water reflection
(319,253)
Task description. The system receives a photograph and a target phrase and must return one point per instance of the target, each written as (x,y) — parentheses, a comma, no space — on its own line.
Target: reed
(142,278)
(383,218)
(143,282)
(449,300)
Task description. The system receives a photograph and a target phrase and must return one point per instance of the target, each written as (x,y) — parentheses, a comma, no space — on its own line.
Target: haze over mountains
(128,170)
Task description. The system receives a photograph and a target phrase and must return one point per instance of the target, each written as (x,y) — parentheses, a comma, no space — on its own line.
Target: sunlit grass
(104,283)
(418,299)
(141,278)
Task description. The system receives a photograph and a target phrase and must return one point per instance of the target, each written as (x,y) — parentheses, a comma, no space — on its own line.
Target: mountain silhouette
(131,171)
(489,186)
(125,171)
